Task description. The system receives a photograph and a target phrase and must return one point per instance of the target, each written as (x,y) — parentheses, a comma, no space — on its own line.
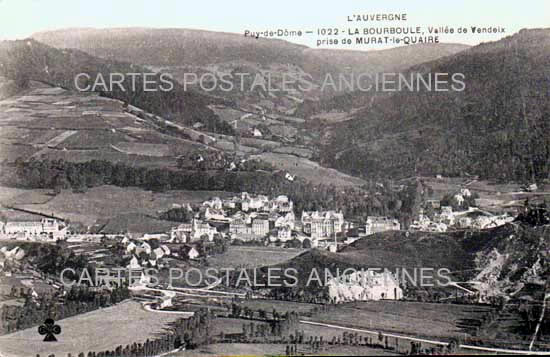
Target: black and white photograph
(274,178)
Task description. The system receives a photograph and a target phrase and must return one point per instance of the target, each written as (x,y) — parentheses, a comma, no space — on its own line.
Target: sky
(21,18)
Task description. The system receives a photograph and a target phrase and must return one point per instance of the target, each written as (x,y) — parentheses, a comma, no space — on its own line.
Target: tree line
(371,199)
(188,333)
(59,305)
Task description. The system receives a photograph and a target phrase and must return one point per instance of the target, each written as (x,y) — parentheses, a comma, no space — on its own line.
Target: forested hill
(498,127)
(26,60)
(178,47)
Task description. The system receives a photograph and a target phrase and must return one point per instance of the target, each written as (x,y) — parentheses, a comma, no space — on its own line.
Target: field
(99,330)
(309,170)
(103,202)
(233,349)
(493,197)
(255,349)
(13,196)
(410,318)
(52,123)
(251,257)
(229,326)
(280,306)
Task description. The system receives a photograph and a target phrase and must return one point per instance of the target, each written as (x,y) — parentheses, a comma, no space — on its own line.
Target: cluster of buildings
(39,229)
(435,217)
(258,217)
(376,224)
(246,217)
(143,255)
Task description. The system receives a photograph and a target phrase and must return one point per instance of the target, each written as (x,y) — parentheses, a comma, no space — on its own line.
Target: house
(238,226)
(446,216)
(283,204)
(257,133)
(364,285)
(177,235)
(377,224)
(215,203)
(134,263)
(232,202)
(201,229)
(192,231)
(253,203)
(284,233)
(181,233)
(50,228)
(333,248)
(322,224)
(159,252)
(260,227)
(435,204)
(165,248)
(215,214)
(131,247)
(145,247)
(189,251)
(459,199)
(16,253)
(286,220)
(167,302)
(144,279)
(159,236)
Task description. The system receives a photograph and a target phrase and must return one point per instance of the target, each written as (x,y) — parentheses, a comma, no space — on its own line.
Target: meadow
(104,202)
(411,318)
(252,257)
(98,330)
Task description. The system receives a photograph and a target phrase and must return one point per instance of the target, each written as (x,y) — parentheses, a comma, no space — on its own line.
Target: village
(244,219)
(247,219)
(207,229)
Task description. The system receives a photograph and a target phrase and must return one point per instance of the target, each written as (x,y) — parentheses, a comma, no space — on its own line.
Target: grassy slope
(87,332)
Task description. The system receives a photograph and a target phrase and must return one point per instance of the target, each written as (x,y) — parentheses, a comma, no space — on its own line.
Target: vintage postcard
(284,178)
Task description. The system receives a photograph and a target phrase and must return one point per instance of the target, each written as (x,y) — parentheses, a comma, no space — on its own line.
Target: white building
(287,220)
(322,224)
(215,203)
(131,247)
(364,285)
(145,247)
(159,252)
(260,227)
(192,231)
(284,233)
(377,224)
(134,263)
(215,214)
(283,204)
(49,228)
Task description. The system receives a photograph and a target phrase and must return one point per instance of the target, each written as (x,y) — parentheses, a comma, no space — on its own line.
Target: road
(433,342)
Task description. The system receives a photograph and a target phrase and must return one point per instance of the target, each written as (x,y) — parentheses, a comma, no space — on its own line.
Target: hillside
(38,84)
(176,47)
(496,128)
(501,260)
(26,60)
(45,122)
(185,51)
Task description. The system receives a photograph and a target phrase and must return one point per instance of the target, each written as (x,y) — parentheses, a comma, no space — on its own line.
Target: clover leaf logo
(50,329)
